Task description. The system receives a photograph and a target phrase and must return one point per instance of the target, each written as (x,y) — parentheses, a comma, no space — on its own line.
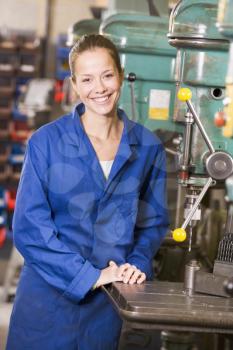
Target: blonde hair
(90,42)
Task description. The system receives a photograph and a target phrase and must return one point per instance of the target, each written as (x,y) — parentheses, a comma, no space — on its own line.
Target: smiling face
(97,81)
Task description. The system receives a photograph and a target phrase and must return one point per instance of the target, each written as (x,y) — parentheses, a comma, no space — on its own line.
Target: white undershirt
(106,166)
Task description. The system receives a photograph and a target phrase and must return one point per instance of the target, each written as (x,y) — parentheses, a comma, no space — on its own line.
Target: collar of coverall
(129,133)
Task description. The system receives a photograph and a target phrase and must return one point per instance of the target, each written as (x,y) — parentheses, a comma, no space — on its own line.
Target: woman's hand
(110,274)
(125,273)
(131,274)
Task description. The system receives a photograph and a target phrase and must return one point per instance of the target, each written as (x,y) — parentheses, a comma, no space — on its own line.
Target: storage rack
(20,61)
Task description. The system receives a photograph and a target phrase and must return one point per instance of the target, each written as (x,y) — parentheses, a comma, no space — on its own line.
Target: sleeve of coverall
(152,220)
(36,236)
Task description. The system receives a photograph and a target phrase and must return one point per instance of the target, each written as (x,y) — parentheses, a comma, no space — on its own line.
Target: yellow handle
(184,94)
(179,234)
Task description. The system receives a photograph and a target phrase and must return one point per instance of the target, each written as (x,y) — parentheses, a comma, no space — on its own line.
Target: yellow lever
(179,234)
(184,94)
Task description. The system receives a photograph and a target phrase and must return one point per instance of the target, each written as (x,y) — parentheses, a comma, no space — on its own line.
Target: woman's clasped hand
(125,273)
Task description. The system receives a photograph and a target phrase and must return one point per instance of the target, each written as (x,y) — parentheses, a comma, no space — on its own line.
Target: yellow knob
(184,94)
(179,234)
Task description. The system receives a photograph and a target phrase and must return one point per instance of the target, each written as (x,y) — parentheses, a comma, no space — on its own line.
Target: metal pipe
(229,77)
(189,277)
(133,104)
(48,29)
(197,202)
(229,220)
(179,205)
(153,11)
(187,139)
(131,78)
(171,151)
(200,127)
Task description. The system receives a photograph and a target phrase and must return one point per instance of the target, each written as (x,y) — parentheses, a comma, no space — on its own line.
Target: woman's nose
(100,87)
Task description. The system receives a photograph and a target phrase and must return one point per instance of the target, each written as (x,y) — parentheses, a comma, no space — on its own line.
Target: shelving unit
(20,61)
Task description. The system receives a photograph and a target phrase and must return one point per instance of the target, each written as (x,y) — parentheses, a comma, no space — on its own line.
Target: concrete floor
(5,308)
(5,312)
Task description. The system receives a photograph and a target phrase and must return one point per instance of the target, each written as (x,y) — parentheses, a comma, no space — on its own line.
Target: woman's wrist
(94,286)
(98,282)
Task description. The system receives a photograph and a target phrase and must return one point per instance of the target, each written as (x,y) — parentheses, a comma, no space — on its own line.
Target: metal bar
(229,77)
(180,202)
(48,30)
(187,139)
(153,11)
(171,151)
(197,202)
(187,144)
(200,127)
(133,103)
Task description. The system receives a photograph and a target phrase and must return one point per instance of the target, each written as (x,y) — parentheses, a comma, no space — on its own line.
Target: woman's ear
(73,83)
(74,93)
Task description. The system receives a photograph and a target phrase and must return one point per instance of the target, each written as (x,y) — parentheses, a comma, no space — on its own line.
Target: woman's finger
(128,273)
(141,278)
(135,276)
(123,268)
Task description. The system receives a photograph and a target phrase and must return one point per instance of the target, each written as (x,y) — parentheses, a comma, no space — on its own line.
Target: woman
(90,210)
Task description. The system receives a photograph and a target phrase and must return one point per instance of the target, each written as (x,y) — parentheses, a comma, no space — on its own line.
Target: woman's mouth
(101,99)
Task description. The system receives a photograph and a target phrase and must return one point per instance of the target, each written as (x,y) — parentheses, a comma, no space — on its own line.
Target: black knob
(228,286)
(131,77)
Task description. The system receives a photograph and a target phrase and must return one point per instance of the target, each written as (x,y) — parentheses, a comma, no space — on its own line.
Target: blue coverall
(69,222)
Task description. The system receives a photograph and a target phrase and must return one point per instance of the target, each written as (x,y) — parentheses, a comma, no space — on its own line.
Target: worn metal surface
(164,305)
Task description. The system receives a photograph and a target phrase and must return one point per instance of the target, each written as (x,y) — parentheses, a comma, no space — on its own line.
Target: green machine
(225,26)
(202,56)
(85,26)
(148,91)
(205,153)
(158,7)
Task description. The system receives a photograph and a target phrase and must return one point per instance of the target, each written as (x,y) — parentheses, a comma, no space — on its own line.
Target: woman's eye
(109,75)
(86,80)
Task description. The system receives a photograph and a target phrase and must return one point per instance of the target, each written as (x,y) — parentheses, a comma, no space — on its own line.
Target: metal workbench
(165,306)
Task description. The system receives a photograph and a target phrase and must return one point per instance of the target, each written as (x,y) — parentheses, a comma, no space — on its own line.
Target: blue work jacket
(69,222)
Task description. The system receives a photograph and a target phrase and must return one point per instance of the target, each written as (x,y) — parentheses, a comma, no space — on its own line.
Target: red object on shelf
(10,200)
(59,94)
(219,119)
(19,130)
(2,236)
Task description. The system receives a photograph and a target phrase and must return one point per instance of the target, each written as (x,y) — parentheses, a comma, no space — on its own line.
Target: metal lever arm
(197,202)
(200,126)
(185,94)
(179,234)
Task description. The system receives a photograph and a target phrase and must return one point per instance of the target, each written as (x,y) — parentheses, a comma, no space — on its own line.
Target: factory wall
(31,14)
